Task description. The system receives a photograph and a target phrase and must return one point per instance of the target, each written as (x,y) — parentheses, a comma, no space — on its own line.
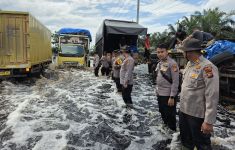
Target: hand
(171,102)
(207,128)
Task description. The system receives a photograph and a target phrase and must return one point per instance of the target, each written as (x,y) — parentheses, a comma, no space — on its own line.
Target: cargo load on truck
(74,45)
(222,54)
(25,44)
(113,34)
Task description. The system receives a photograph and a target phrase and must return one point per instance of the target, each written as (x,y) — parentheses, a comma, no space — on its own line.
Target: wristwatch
(172,97)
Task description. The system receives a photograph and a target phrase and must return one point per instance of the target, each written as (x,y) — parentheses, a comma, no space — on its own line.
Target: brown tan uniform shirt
(96,61)
(200,90)
(105,61)
(117,66)
(126,72)
(171,70)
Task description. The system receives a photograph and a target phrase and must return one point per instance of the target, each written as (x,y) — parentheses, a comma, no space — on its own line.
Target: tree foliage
(214,21)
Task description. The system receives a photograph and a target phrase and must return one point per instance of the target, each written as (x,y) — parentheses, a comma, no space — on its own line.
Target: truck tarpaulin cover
(219,47)
(75,31)
(124,27)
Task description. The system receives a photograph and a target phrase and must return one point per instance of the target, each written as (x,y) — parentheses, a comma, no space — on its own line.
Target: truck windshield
(72,50)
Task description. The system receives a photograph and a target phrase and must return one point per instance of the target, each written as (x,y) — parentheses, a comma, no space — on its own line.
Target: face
(162,53)
(115,54)
(109,55)
(191,55)
(125,54)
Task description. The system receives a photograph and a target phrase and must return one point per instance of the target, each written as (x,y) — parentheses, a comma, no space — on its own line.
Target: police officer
(117,61)
(105,65)
(199,98)
(126,77)
(96,64)
(167,86)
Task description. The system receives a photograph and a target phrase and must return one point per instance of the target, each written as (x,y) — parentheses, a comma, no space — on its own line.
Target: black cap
(191,45)
(163,45)
(126,50)
(116,51)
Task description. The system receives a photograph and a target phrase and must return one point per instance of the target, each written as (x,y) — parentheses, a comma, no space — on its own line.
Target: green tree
(214,21)
(157,38)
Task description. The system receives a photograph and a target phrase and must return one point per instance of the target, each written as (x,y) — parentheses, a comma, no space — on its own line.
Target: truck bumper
(8,73)
(71,61)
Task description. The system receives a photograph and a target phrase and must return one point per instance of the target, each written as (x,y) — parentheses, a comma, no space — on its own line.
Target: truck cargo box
(111,32)
(25,44)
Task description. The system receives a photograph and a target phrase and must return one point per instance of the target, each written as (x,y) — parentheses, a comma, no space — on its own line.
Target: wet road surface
(74,110)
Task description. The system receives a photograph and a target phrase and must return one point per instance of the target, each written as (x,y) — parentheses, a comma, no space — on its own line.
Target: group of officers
(199,93)
(119,66)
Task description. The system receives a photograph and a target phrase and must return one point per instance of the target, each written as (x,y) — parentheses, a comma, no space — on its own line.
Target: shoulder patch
(175,68)
(208,71)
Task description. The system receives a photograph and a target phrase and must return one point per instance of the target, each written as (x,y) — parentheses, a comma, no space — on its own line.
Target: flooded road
(74,110)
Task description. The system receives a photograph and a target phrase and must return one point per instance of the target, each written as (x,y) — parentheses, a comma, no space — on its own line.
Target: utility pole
(138,11)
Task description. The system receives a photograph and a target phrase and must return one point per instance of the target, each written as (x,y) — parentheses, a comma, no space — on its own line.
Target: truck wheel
(220,58)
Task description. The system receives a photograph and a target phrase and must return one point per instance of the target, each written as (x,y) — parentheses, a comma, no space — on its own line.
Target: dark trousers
(191,134)
(105,71)
(118,85)
(126,94)
(96,70)
(168,113)
(146,54)
(113,78)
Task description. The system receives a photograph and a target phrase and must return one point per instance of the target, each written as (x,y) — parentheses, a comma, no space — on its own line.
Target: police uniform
(112,65)
(126,77)
(167,83)
(199,99)
(105,66)
(96,64)
(116,72)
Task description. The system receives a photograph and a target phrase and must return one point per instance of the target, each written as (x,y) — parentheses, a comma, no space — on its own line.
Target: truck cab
(74,47)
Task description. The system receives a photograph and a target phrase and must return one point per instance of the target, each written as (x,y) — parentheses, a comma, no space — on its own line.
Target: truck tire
(220,58)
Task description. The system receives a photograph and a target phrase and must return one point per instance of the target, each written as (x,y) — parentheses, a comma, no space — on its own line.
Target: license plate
(5,73)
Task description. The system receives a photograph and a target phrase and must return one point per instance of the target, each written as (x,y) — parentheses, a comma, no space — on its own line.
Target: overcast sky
(89,14)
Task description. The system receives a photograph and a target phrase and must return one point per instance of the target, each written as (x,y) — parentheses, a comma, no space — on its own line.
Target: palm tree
(217,22)
(214,21)
(157,38)
(172,29)
(189,23)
